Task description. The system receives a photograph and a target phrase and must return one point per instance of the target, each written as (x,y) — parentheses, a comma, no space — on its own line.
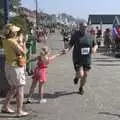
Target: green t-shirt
(82,48)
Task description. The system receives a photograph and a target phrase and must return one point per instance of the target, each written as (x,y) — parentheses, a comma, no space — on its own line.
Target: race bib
(85,51)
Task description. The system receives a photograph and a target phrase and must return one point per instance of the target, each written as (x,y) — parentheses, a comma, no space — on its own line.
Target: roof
(105,19)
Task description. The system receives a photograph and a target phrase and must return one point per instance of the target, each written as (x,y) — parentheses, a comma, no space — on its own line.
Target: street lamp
(36,1)
(6,11)
(3,82)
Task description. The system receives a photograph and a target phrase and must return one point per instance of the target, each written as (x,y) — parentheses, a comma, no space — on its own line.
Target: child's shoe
(43,101)
(29,101)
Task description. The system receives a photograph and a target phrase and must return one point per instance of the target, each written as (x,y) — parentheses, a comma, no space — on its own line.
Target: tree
(19,21)
(14,5)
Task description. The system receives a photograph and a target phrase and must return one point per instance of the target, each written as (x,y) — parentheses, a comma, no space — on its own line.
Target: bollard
(4,87)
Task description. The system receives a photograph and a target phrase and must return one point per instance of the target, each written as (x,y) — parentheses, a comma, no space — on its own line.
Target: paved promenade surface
(101,100)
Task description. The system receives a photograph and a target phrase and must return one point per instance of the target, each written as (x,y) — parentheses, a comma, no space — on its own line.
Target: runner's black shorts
(86,67)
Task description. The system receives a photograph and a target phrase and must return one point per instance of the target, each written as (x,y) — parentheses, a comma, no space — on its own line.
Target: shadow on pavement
(108,65)
(7,116)
(110,114)
(106,60)
(54,95)
(13,102)
(58,94)
(101,58)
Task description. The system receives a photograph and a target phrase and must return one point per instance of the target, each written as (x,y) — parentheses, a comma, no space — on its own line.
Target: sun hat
(10,27)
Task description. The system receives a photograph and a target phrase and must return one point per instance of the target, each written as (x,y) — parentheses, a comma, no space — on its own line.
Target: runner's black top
(82,48)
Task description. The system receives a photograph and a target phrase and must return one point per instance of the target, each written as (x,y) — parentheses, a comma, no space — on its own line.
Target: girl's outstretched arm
(54,56)
(48,59)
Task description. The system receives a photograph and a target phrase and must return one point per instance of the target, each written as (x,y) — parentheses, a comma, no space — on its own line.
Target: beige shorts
(15,75)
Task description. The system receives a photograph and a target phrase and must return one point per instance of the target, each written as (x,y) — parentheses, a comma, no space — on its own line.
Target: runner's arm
(72,41)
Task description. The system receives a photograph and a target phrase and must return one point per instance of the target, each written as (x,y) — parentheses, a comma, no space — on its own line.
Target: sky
(76,8)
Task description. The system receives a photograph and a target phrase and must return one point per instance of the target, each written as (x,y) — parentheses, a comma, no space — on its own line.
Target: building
(102,21)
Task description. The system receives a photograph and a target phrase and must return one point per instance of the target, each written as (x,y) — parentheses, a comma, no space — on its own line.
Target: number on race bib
(85,51)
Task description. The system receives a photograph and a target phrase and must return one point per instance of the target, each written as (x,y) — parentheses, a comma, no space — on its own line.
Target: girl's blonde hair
(44,51)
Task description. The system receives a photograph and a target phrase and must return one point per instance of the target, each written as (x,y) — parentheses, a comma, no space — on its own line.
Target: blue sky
(77,8)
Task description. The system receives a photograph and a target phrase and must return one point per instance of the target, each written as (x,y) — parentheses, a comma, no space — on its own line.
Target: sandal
(9,111)
(23,114)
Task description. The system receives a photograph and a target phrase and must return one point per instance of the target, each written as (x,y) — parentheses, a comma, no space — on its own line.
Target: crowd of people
(42,34)
(110,38)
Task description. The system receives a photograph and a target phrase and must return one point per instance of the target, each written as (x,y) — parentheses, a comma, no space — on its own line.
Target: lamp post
(6,11)
(36,13)
(4,87)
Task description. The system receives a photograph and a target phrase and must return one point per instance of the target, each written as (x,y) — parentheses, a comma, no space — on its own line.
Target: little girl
(40,72)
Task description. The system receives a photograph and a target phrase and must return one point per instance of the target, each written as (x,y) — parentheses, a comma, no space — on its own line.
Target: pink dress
(40,72)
